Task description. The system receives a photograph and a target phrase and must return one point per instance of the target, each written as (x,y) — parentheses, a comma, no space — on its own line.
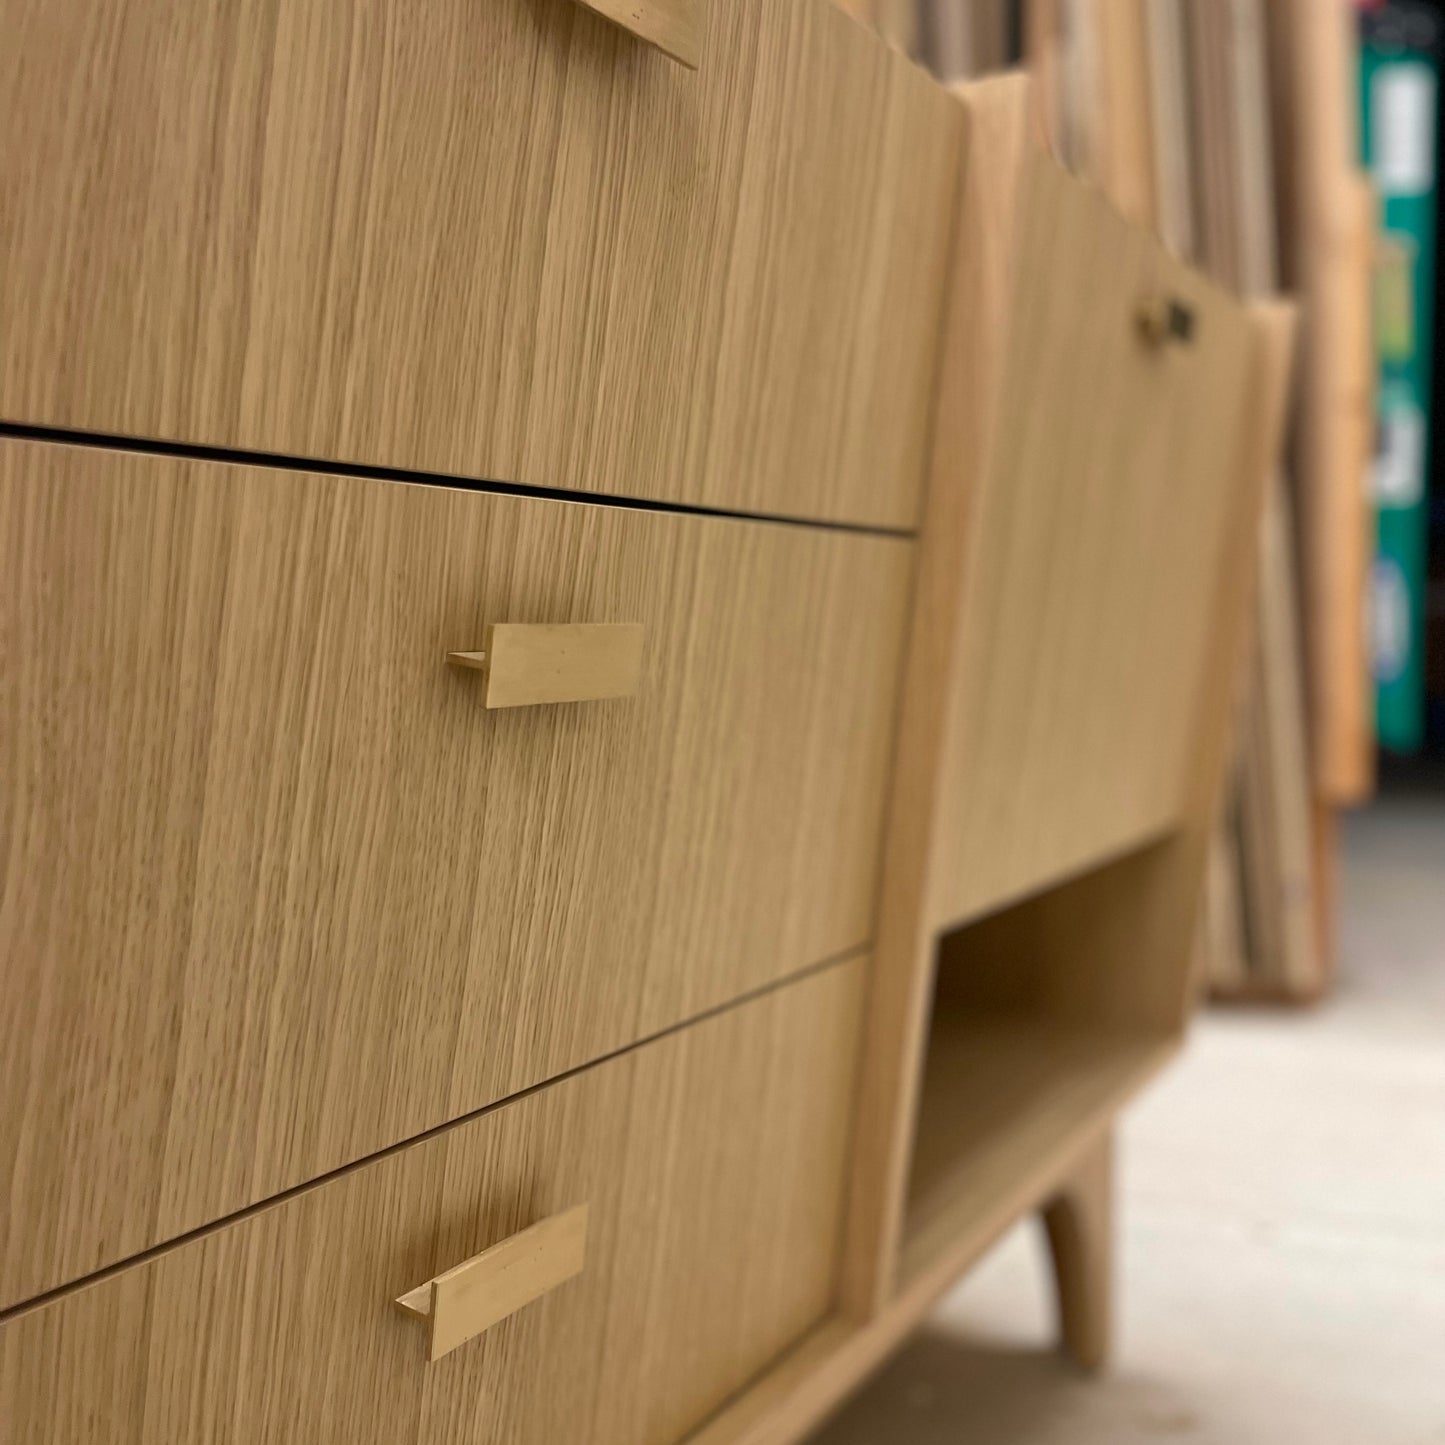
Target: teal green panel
(1399,99)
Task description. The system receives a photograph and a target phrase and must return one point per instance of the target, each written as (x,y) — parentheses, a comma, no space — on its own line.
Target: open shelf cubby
(1045,1021)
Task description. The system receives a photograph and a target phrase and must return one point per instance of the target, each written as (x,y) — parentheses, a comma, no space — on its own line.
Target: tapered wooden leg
(1080,1225)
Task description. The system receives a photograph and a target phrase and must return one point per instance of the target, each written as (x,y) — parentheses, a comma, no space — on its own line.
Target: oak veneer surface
(501,239)
(709,1161)
(1099,527)
(278,889)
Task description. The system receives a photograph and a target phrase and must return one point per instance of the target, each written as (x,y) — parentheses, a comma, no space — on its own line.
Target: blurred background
(1283,1242)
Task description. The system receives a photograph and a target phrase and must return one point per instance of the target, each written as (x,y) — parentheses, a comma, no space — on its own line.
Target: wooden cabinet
(491,238)
(709,1163)
(281,891)
(487,708)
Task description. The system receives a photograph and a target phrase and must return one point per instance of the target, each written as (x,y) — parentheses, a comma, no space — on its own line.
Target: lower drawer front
(710,1163)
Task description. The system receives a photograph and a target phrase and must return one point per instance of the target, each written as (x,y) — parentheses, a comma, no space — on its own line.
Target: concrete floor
(1282,1272)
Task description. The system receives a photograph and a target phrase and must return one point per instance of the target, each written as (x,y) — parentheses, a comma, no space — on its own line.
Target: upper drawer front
(710,1164)
(493,238)
(279,890)
(1099,537)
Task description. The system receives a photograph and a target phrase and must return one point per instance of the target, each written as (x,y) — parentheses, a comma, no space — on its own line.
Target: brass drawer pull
(469,1299)
(673,26)
(1164,320)
(531,663)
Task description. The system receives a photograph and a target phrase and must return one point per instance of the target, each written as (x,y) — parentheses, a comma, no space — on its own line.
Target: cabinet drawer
(492,238)
(280,890)
(710,1165)
(1099,531)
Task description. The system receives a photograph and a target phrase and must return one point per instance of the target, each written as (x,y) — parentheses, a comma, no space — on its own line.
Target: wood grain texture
(1112,946)
(499,240)
(709,1159)
(862,11)
(1095,542)
(279,891)
(673,26)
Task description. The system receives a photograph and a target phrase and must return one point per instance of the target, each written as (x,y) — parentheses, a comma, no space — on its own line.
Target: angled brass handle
(673,26)
(530,663)
(482,1292)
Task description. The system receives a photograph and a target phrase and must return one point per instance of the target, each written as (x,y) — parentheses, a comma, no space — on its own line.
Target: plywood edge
(998,117)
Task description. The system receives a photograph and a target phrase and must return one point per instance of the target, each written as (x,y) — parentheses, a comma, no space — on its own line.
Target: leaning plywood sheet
(1275,819)
(1325,257)
(1234,188)
(1125,164)
(1169,93)
(1214,140)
